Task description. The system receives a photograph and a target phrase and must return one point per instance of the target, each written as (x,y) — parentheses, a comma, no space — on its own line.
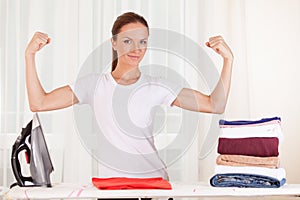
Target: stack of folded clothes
(249,155)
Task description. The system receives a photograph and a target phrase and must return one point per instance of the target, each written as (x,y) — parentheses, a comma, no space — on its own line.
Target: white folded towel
(269,130)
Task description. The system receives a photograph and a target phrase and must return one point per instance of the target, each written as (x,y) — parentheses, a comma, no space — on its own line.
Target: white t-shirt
(124,116)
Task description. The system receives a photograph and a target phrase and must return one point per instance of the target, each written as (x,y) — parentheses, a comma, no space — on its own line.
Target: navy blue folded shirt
(245,122)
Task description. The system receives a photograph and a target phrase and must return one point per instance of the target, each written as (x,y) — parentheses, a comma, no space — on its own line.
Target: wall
(273,41)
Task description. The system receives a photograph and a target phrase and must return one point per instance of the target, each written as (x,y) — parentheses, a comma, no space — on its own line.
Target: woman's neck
(126,75)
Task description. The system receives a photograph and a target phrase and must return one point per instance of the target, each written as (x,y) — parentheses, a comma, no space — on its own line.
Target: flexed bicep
(38,99)
(59,98)
(193,100)
(215,102)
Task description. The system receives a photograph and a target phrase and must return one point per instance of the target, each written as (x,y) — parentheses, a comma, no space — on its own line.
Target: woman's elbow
(218,108)
(219,111)
(35,108)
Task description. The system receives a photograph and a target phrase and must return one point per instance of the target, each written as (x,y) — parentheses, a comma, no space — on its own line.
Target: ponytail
(114,60)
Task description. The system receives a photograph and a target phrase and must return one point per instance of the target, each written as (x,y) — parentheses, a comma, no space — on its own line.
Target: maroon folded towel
(256,146)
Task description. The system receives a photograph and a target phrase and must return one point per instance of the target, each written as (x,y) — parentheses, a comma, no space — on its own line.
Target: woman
(129,42)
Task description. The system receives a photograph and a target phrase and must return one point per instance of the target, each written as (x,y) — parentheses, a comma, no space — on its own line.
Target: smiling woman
(129,43)
(123,100)
(127,27)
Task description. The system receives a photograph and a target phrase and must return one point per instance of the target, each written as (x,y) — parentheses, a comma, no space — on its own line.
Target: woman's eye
(144,42)
(127,41)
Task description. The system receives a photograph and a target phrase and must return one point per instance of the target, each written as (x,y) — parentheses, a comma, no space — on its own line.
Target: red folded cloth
(121,183)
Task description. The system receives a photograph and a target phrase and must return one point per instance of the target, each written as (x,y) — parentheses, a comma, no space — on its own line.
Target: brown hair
(122,20)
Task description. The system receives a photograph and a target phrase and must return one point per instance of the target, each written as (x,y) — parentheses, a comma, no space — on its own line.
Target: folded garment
(261,147)
(240,160)
(278,173)
(268,130)
(263,121)
(246,180)
(120,183)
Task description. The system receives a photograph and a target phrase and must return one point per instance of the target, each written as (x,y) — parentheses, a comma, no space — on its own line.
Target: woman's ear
(113,44)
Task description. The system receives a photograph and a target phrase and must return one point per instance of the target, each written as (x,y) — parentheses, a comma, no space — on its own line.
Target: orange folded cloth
(121,183)
(240,160)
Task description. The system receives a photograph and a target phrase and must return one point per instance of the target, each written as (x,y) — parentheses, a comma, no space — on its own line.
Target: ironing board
(190,190)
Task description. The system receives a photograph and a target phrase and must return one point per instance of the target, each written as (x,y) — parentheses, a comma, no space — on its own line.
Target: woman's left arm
(215,102)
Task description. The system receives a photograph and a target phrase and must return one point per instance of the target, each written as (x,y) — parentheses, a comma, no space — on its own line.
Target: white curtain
(262,34)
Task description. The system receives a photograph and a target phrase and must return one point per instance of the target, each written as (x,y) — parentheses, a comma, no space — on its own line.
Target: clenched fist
(38,41)
(218,44)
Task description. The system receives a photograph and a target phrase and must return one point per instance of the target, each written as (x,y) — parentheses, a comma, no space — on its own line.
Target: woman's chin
(130,62)
(134,63)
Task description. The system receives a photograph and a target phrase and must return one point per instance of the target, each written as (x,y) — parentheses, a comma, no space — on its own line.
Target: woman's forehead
(134,31)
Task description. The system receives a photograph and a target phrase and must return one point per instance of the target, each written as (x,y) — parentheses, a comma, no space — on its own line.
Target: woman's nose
(136,46)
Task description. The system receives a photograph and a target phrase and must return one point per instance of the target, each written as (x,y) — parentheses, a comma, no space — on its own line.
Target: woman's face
(131,44)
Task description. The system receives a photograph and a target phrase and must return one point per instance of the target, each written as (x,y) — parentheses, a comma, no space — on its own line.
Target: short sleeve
(84,88)
(169,91)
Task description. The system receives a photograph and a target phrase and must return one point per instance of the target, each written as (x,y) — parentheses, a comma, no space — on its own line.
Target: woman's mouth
(133,57)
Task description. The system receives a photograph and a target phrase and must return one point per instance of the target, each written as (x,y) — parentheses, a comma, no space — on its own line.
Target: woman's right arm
(39,100)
